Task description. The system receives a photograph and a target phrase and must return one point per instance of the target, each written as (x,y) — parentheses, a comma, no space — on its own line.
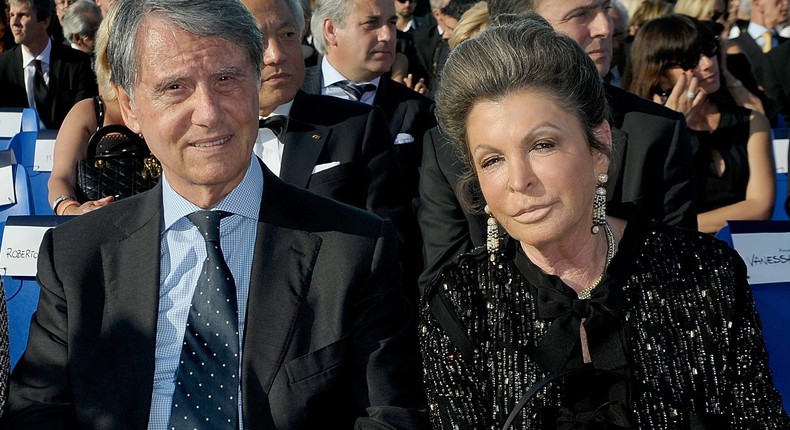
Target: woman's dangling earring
(599,203)
(492,235)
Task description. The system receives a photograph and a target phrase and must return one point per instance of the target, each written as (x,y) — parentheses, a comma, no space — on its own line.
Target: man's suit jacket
(426,42)
(755,55)
(326,344)
(650,172)
(71,79)
(777,86)
(323,130)
(326,130)
(409,113)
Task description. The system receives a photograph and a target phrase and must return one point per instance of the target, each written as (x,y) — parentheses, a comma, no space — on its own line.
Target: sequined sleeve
(454,384)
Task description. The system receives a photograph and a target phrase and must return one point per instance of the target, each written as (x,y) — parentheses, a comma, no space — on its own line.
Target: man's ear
(329,32)
(128,111)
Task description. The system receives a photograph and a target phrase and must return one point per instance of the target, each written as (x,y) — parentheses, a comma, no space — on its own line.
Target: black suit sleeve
(386,378)
(679,182)
(445,230)
(86,86)
(39,392)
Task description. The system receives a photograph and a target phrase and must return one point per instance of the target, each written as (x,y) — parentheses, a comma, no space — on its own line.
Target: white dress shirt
(267,147)
(30,70)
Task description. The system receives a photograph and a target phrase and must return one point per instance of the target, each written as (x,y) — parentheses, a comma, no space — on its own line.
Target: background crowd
(436,116)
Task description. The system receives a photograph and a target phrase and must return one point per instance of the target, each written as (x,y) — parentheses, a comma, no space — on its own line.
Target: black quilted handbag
(118,164)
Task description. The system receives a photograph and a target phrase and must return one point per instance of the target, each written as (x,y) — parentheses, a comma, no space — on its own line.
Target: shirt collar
(244,200)
(756,30)
(331,75)
(282,110)
(27,56)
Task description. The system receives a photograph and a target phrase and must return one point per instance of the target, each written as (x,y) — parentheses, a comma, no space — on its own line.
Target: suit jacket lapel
(303,145)
(383,99)
(132,289)
(282,269)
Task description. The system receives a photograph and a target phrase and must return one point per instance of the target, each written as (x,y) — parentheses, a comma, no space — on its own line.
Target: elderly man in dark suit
(223,297)
(333,147)
(651,168)
(39,73)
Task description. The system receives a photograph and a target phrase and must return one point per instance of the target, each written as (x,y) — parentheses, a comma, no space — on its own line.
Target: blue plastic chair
(773,306)
(22,292)
(24,146)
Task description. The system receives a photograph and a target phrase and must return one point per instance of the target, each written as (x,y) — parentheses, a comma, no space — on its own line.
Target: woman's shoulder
(690,248)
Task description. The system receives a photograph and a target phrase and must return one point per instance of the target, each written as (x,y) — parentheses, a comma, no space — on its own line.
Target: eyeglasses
(404,1)
(716,15)
(691,60)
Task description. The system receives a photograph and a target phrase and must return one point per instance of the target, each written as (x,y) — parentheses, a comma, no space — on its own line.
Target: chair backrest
(21,288)
(773,304)
(24,204)
(15,120)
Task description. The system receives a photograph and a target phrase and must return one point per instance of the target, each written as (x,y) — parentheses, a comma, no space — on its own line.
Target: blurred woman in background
(675,61)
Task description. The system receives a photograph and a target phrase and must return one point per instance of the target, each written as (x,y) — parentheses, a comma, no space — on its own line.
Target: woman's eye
(490,161)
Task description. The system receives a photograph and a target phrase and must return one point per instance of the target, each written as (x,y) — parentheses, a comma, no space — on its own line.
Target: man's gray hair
(336,10)
(223,19)
(622,11)
(297,10)
(82,18)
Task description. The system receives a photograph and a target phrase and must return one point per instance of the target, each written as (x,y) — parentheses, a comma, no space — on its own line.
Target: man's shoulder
(400,93)
(295,208)
(7,57)
(624,103)
(326,110)
(69,55)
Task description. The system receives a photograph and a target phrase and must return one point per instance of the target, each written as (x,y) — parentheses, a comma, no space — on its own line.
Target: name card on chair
(765,248)
(780,154)
(7,194)
(21,241)
(43,158)
(10,124)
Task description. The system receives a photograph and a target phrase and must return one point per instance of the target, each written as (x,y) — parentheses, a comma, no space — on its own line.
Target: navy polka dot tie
(207,382)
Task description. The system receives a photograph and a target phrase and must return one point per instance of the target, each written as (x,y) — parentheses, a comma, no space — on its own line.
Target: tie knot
(207,223)
(768,41)
(278,124)
(37,65)
(355,91)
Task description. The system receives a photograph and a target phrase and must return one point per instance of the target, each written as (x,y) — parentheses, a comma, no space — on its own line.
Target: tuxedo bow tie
(278,124)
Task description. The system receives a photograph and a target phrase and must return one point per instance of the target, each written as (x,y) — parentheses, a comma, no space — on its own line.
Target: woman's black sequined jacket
(675,314)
